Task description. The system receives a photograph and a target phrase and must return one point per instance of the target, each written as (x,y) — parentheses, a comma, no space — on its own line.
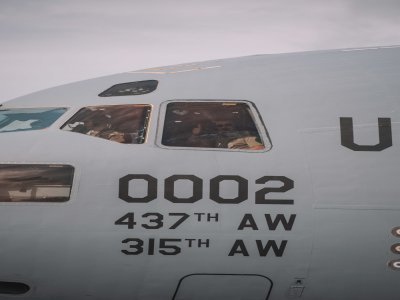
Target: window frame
(79,109)
(255,114)
(72,193)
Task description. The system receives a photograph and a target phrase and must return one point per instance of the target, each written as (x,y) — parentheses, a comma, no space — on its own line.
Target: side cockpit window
(226,125)
(125,124)
(24,119)
(35,183)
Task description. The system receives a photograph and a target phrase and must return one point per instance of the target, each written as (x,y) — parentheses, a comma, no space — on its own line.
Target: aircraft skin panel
(346,179)
(311,215)
(353,244)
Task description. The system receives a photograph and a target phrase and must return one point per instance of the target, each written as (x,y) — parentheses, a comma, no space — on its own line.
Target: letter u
(347,135)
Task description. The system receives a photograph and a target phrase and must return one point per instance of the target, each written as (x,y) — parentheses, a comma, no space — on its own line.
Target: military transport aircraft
(262,177)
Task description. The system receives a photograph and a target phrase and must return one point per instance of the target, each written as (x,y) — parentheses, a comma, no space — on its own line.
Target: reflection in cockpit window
(24,119)
(228,125)
(125,124)
(35,183)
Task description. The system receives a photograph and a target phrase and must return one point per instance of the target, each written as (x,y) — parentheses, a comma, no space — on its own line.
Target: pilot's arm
(247,142)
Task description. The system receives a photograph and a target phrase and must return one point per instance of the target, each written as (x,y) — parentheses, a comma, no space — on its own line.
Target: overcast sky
(45,43)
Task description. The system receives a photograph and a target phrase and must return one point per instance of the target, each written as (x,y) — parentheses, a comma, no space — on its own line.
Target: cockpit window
(131,88)
(226,125)
(35,183)
(125,124)
(24,119)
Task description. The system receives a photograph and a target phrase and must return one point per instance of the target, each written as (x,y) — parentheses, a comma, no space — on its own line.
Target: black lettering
(278,251)
(169,192)
(151,247)
(174,250)
(128,219)
(190,242)
(248,221)
(124,188)
(182,219)
(288,184)
(210,217)
(199,216)
(238,248)
(280,218)
(157,220)
(215,187)
(206,243)
(135,244)
(347,135)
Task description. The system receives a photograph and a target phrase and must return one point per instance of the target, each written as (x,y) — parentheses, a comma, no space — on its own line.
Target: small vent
(396,231)
(395,248)
(131,88)
(13,288)
(394,265)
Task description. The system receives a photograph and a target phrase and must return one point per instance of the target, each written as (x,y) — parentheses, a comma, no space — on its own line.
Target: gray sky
(45,43)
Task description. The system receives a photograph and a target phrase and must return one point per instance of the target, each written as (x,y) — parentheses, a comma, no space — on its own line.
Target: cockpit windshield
(24,119)
(126,124)
(211,124)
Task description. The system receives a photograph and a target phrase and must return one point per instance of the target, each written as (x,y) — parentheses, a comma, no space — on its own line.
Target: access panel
(223,286)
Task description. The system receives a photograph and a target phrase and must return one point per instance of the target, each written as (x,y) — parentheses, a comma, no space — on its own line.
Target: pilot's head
(223,126)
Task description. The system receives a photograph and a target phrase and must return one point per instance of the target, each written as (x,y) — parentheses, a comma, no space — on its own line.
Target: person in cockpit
(227,136)
(223,135)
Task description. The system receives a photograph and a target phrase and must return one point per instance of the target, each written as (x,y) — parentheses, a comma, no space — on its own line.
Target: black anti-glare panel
(131,88)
